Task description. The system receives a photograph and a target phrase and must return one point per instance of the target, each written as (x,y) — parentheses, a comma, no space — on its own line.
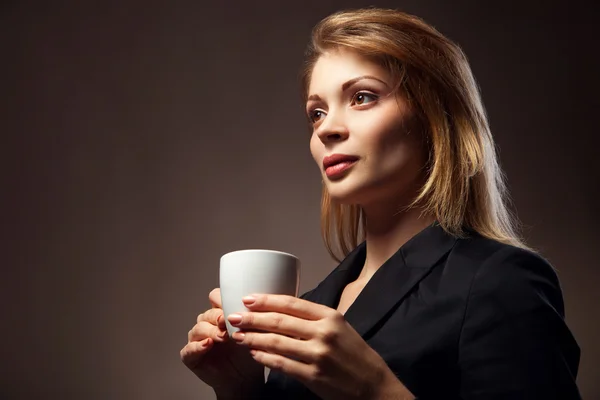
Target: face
(365,140)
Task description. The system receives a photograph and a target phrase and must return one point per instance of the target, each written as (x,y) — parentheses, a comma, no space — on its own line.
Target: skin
(215,359)
(353,111)
(370,121)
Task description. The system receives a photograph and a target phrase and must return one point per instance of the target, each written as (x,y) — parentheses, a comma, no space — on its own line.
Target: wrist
(389,387)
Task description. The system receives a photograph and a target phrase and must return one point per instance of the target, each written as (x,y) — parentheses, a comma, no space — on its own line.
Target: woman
(442,299)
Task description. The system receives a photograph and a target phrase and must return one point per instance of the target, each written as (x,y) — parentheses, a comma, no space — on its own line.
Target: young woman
(441,300)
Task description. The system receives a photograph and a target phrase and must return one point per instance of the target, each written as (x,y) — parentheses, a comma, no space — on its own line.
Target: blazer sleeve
(514,343)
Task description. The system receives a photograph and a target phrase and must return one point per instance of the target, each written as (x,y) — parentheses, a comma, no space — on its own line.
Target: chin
(345,193)
(363,192)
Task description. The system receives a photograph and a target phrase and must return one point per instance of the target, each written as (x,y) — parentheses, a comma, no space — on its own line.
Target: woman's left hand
(314,344)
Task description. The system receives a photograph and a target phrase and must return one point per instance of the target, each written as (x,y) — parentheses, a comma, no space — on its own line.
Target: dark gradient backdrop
(142,140)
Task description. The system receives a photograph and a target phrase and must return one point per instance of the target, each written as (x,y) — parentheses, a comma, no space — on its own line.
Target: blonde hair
(465,186)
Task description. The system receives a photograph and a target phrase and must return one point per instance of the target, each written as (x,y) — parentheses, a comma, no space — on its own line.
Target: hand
(314,344)
(227,368)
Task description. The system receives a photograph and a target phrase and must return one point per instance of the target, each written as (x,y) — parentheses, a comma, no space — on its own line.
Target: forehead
(335,67)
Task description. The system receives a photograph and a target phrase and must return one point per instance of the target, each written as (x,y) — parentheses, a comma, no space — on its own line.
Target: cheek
(398,145)
(385,138)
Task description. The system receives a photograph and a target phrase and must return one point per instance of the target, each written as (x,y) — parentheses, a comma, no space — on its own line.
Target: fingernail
(222,334)
(249,300)
(235,319)
(238,336)
(220,319)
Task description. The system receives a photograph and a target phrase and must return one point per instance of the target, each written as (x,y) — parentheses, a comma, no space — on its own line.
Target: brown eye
(315,116)
(364,98)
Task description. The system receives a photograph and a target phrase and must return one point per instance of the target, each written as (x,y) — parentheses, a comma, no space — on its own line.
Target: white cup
(245,272)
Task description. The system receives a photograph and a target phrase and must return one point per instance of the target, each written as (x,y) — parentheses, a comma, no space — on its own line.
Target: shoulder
(511,278)
(514,341)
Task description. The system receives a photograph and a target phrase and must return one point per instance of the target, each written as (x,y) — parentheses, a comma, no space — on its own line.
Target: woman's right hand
(218,361)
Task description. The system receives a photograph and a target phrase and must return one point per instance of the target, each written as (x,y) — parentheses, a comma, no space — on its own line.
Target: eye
(361,98)
(316,115)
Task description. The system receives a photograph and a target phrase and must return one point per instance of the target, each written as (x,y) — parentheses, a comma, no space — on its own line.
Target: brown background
(142,140)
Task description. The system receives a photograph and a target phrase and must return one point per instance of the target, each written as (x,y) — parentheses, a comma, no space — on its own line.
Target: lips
(336,165)
(334,159)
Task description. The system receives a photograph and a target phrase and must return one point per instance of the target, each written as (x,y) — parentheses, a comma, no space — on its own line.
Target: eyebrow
(348,84)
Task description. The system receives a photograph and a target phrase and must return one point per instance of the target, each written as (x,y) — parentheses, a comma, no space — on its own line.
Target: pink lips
(335,164)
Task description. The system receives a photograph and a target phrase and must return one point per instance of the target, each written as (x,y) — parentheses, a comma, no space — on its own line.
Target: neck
(387,229)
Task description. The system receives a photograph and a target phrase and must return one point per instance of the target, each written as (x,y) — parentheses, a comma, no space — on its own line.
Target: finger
(221,322)
(273,322)
(204,330)
(287,305)
(296,369)
(192,353)
(211,316)
(301,350)
(215,298)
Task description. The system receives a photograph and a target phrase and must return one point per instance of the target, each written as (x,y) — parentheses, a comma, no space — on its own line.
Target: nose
(332,129)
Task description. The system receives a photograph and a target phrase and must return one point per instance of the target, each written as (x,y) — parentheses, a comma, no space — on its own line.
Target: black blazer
(457,319)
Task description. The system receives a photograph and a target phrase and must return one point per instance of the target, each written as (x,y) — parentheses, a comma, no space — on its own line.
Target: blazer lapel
(394,279)
(329,291)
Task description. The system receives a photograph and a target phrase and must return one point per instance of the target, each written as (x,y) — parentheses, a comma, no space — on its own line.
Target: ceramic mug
(245,272)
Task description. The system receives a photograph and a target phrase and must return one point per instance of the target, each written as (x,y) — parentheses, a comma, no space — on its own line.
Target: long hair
(465,186)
